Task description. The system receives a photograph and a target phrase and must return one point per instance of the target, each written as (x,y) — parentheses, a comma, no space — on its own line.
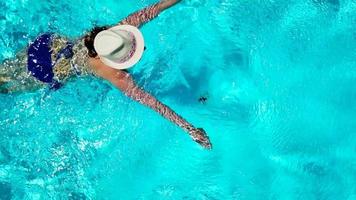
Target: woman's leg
(14,76)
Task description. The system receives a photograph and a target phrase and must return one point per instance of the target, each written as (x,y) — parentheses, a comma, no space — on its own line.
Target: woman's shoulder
(81,59)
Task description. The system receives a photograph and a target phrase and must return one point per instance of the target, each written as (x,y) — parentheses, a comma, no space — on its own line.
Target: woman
(105,52)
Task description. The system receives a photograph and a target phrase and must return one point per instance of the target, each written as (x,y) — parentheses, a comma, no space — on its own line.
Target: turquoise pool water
(280,77)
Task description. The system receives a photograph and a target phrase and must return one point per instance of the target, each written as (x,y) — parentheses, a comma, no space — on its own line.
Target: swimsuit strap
(67,51)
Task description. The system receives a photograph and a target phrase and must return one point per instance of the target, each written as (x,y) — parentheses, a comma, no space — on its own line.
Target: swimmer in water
(51,60)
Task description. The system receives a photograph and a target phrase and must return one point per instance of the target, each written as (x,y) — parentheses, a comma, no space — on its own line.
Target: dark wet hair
(89,40)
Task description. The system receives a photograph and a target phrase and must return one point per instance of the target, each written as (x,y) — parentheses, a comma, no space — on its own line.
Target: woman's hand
(164,4)
(123,81)
(200,136)
(145,15)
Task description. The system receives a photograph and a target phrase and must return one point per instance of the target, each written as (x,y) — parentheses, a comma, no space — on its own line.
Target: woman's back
(50,59)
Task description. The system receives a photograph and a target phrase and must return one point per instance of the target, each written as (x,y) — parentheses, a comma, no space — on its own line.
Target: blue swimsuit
(40,63)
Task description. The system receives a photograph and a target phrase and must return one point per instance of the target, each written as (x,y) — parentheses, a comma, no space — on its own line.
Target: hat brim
(140,45)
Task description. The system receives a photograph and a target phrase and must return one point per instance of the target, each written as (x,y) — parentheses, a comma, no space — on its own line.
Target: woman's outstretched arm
(126,84)
(140,17)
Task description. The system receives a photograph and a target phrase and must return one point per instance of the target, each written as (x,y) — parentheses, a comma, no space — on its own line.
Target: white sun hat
(120,47)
